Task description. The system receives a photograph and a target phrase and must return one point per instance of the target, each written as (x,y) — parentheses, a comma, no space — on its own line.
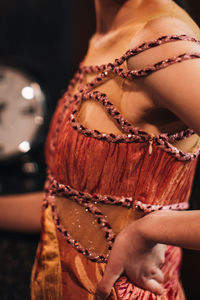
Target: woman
(111,165)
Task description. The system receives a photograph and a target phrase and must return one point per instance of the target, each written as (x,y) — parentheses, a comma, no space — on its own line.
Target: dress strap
(105,70)
(135,51)
(111,109)
(152,44)
(144,72)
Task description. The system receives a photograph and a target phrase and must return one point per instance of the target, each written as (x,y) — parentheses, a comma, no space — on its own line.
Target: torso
(136,106)
(132,101)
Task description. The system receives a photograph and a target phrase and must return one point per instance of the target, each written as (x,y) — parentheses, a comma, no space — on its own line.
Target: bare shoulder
(165,26)
(171,25)
(161,27)
(175,87)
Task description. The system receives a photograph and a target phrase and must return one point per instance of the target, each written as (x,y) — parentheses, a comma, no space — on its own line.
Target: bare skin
(21,212)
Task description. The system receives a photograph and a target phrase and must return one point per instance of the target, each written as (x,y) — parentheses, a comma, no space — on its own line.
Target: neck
(111,14)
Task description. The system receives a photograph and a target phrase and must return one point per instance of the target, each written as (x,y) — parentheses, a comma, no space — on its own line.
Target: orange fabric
(121,169)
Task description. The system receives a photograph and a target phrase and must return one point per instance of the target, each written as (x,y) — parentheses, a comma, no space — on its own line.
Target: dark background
(48,39)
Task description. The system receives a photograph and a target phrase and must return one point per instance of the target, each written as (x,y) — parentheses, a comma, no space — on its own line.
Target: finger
(158,276)
(101,294)
(104,287)
(112,273)
(159,253)
(153,286)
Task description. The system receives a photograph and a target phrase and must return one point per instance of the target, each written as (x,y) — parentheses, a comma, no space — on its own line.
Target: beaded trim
(137,50)
(178,154)
(156,67)
(134,134)
(104,225)
(112,111)
(85,197)
(150,208)
(88,201)
(53,188)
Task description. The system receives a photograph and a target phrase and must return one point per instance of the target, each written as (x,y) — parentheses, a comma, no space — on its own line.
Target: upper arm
(177,87)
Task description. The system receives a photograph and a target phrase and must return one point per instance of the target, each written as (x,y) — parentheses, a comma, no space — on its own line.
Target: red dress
(89,171)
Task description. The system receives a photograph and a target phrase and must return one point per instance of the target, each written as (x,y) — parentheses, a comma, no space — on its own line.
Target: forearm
(21,212)
(178,228)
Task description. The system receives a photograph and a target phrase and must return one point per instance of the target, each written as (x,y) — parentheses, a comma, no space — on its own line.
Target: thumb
(111,274)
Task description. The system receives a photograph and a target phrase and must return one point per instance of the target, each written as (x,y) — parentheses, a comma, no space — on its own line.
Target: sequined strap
(112,111)
(152,44)
(156,67)
(105,70)
(132,133)
(135,51)
(81,197)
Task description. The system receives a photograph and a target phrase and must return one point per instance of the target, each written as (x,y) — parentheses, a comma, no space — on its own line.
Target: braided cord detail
(112,111)
(82,198)
(109,235)
(139,49)
(88,201)
(149,208)
(133,134)
(156,67)
(180,155)
(58,189)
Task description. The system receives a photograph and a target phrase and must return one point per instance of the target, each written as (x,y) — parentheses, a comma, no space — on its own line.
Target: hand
(139,259)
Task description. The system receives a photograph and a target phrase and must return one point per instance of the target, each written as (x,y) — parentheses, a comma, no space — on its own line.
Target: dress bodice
(135,166)
(135,169)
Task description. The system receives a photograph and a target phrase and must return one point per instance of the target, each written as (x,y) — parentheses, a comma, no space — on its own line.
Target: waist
(91,222)
(94,227)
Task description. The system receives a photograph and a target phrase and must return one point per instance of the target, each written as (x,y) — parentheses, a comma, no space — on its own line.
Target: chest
(128,97)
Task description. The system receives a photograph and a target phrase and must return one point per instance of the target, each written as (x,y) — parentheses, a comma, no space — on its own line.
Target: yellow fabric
(46,280)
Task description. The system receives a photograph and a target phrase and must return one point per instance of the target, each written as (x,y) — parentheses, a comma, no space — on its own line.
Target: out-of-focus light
(28,92)
(24,146)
